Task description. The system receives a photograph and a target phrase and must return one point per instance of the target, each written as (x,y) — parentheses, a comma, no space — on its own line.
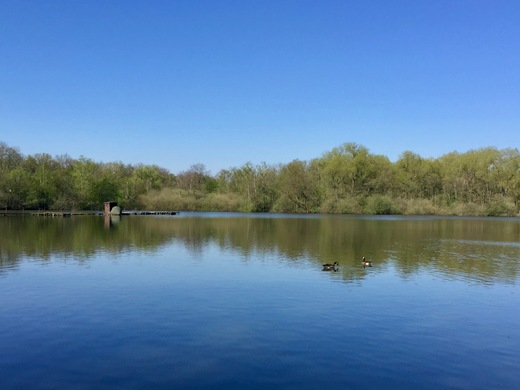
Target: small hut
(112,208)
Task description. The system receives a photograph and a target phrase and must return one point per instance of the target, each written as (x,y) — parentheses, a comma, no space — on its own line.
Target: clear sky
(225,82)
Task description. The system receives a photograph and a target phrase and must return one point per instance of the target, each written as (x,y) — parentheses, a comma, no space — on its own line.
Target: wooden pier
(110,208)
(136,212)
(98,213)
(53,213)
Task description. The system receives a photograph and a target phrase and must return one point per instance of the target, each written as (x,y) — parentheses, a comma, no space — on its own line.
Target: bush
(224,202)
(167,199)
(419,207)
(180,200)
(341,206)
(381,205)
(467,209)
(500,206)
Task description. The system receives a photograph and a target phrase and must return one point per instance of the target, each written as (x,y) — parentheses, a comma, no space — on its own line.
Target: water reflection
(483,250)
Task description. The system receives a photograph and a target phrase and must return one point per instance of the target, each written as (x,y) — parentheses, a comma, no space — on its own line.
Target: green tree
(409,175)
(336,173)
(471,177)
(44,172)
(243,181)
(146,178)
(505,171)
(266,188)
(299,191)
(85,173)
(15,188)
(66,198)
(103,190)
(10,158)
(196,180)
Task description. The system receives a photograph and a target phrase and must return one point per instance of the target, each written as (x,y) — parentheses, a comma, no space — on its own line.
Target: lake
(226,300)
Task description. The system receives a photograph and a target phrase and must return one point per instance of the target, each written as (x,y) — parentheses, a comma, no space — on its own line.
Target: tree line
(347,179)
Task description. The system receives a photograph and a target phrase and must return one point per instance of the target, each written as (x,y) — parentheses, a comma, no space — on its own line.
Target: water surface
(241,301)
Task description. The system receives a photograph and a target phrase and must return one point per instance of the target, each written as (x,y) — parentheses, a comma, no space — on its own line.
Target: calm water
(241,301)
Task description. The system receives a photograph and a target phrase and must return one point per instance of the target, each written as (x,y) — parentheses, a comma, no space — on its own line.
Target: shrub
(224,202)
(381,205)
(168,199)
(341,206)
(467,209)
(419,207)
(500,206)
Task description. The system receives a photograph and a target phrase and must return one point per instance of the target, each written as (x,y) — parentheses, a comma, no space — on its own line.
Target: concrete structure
(112,208)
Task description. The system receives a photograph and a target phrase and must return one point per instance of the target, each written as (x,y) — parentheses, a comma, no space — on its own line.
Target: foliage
(298,189)
(500,206)
(348,179)
(419,206)
(380,204)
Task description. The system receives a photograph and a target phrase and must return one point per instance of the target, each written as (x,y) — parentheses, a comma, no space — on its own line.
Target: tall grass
(180,200)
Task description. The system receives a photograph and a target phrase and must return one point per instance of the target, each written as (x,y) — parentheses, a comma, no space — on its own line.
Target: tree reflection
(484,250)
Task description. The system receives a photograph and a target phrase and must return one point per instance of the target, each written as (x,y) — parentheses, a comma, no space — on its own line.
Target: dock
(135,212)
(110,208)
(49,213)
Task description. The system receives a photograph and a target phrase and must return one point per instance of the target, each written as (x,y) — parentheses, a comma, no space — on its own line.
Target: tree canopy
(346,179)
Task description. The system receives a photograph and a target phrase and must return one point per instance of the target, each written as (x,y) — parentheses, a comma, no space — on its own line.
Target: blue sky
(223,82)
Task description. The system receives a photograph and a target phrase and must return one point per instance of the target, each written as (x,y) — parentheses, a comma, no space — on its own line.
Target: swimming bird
(366,263)
(329,266)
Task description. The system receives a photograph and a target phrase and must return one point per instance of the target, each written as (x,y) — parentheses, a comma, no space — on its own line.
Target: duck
(329,266)
(366,263)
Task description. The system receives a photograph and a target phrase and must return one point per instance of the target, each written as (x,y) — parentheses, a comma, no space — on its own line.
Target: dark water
(241,301)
